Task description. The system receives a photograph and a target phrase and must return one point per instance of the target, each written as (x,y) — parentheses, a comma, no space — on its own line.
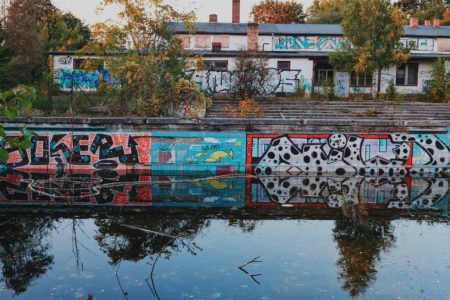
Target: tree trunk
(379,80)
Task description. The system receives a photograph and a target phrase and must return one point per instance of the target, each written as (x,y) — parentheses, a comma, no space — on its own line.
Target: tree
(325,12)
(274,11)
(423,9)
(151,64)
(65,32)
(251,75)
(438,87)
(377,46)
(30,30)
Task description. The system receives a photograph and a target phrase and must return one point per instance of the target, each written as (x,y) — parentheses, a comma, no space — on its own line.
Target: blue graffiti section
(213,152)
(82,79)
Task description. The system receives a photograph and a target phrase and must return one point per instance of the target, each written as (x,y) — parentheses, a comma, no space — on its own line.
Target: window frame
(367,79)
(287,62)
(212,65)
(322,68)
(406,75)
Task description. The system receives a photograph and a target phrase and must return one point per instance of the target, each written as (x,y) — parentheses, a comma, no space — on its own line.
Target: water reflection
(112,188)
(359,240)
(25,253)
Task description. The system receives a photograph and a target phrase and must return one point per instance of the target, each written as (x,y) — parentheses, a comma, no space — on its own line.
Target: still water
(223,238)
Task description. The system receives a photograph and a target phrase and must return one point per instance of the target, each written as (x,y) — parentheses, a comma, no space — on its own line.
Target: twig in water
(252,276)
(125,294)
(149,231)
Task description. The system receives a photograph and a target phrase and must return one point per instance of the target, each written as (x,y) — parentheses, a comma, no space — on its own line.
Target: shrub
(438,87)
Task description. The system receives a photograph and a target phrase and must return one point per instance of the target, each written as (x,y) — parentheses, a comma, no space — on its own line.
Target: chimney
(413,22)
(436,23)
(213,18)
(252,37)
(427,23)
(236,12)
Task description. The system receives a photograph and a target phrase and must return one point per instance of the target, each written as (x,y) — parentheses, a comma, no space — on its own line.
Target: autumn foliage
(281,12)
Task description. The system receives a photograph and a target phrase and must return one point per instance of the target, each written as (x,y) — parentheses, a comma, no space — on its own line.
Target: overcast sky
(85,9)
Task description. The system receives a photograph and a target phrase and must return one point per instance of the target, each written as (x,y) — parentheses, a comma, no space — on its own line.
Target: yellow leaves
(398,16)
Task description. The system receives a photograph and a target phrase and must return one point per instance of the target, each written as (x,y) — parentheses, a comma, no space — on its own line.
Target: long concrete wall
(220,152)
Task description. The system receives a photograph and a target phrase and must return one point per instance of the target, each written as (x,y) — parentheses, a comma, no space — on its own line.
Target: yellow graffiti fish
(217,156)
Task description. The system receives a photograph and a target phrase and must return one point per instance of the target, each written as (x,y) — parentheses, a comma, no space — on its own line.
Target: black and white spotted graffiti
(276,81)
(390,192)
(349,155)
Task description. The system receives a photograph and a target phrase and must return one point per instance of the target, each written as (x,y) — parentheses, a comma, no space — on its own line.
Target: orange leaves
(274,11)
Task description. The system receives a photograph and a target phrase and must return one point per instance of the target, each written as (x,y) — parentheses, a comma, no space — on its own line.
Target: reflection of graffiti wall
(114,189)
(383,192)
(230,152)
(287,43)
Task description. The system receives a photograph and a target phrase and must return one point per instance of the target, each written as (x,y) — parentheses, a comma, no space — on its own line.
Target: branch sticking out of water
(252,276)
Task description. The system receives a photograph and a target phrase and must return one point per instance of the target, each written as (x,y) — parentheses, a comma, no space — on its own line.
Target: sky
(85,9)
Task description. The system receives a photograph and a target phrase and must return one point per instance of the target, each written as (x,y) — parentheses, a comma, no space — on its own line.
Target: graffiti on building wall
(198,151)
(385,192)
(418,44)
(88,81)
(344,154)
(307,43)
(83,150)
(278,81)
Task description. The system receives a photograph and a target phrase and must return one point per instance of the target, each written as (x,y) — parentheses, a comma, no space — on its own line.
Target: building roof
(300,29)
(305,54)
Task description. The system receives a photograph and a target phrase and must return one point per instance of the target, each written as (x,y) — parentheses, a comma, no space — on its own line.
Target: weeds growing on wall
(391,93)
(12,103)
(248,107)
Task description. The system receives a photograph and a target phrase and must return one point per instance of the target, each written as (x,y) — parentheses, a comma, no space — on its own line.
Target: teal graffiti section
(308,43)
(213,152)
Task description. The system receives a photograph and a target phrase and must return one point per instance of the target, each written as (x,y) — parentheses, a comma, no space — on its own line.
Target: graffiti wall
(212,152)
(65,151)
(168,152)
(348,154)
(293,43)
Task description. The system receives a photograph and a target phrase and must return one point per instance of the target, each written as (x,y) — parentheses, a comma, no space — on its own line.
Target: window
(407,74)
(323,72)
(284,65)
(216,65)
(216,47)
(87,63)
(361,79)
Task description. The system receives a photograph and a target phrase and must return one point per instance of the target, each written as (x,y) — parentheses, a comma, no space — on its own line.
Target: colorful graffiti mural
(214,152)
(83,151)
(167,152)
(343,154)
(88,81)
(290,43)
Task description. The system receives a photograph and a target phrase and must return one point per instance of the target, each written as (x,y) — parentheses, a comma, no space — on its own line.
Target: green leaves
(11,112)
(11,104)
(3,155)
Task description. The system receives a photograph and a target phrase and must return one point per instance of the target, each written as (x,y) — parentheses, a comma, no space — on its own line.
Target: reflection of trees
(120,242)
(360,242)
(23,251)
